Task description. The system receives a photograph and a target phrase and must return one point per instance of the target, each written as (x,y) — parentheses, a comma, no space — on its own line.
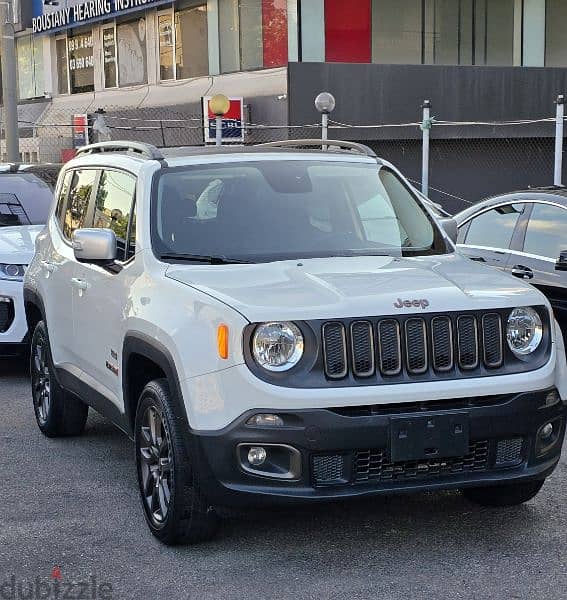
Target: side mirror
(561,264)
(450,227)
(94,245)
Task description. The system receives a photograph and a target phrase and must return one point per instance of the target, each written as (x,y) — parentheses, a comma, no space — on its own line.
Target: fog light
(265,420)
(552,398)
(546,431)
(257,456)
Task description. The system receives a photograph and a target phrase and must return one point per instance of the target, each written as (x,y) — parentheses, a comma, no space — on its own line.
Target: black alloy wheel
(155,458)
(57,412)
(175,508)
(41,382)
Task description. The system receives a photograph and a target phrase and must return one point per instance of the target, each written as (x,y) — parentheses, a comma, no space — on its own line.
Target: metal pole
(559,117)
(426,129)
(324,129)
(9,82)
(324,126)
(218,127)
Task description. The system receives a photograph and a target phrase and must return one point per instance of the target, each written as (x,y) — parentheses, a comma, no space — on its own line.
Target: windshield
(279,210)
(24,200)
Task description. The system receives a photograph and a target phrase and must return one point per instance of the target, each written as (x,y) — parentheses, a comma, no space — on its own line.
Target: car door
(544,237)
(57,261)
(487,237)
(100,301)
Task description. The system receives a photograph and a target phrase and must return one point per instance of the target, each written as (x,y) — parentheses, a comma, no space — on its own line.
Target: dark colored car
(523,233)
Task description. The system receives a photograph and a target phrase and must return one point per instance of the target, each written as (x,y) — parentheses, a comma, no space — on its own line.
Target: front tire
(176,510)
(57,412)
(510,494)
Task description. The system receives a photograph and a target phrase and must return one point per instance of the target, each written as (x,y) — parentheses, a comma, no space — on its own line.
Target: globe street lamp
(219,105)
(325,104)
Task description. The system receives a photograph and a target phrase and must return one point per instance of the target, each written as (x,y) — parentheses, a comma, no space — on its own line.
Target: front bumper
(13,325)
(345,452)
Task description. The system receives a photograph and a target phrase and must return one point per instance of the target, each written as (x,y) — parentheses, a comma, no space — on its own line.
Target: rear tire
(176,510)
(57,412)
(510,494)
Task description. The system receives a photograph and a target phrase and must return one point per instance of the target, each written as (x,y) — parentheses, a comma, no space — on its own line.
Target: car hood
(328,288)
(17,244)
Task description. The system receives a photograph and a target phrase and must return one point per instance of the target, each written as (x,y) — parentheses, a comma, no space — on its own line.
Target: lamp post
(219,105)
(325,104)
(9,81)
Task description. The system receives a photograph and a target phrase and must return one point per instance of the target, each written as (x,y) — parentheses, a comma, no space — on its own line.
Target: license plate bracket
(429,437)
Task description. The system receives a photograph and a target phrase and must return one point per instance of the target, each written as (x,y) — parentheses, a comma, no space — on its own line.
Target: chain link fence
(467,161)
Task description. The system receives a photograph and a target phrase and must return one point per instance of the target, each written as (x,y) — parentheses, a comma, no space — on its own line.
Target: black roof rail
(139,148)
(330,144)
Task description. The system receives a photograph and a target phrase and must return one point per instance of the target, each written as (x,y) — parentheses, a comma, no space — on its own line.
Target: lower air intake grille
(6,314)
(509,452)
(374,465)
(328,469)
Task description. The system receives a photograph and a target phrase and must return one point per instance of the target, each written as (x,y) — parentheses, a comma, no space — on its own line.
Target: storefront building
(148,58)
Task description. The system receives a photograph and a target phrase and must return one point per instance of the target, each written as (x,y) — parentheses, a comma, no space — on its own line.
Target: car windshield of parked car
(279,210)
(25,199)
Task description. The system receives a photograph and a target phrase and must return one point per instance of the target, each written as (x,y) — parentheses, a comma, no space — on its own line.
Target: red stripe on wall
(347,31)
(274,32)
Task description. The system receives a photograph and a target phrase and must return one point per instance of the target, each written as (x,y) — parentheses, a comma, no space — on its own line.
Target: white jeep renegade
(275,324)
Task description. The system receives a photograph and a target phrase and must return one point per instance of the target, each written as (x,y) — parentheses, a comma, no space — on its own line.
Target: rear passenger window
(113,208)
(545,235)
(78,203)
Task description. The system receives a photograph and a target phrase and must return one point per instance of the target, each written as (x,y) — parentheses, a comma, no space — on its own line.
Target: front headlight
(277,346)
(12,272)
(524,331)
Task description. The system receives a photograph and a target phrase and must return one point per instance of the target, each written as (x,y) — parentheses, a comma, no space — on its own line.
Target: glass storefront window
(396,31)
(229,36)
(132,58)
(443,32)
(109,57)
(166,47)
(555,47)
(29,51)
(191,42)
(251,55)
(81,62)
(184,49)
(253,34)
(62,66)
(494,35)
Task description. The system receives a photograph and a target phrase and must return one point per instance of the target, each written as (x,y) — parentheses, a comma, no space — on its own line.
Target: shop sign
(80,130)
(232,122)
(53,16)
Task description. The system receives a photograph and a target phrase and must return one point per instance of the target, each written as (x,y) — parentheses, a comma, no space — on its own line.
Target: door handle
(80,284)
(48,266)
(477,258)
(522,272)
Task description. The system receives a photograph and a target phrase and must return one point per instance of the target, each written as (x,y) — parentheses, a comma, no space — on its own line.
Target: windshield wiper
(204,258)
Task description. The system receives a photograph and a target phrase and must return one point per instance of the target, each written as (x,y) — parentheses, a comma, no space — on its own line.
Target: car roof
(131,154)
(556,194)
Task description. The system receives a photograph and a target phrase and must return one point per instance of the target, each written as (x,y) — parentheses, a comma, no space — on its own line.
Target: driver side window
(114,208)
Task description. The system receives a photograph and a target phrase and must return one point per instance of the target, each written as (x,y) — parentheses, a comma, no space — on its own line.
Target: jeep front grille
(413,346)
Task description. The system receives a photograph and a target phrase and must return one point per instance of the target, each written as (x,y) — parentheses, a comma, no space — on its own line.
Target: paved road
(73,503)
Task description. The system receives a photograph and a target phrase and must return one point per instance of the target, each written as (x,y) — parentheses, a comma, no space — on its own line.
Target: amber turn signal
(222,341)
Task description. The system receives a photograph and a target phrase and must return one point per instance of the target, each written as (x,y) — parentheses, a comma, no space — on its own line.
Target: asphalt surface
(73,504)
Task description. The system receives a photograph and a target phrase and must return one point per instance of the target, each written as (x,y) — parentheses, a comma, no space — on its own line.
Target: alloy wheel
(156,464)
(41,378)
